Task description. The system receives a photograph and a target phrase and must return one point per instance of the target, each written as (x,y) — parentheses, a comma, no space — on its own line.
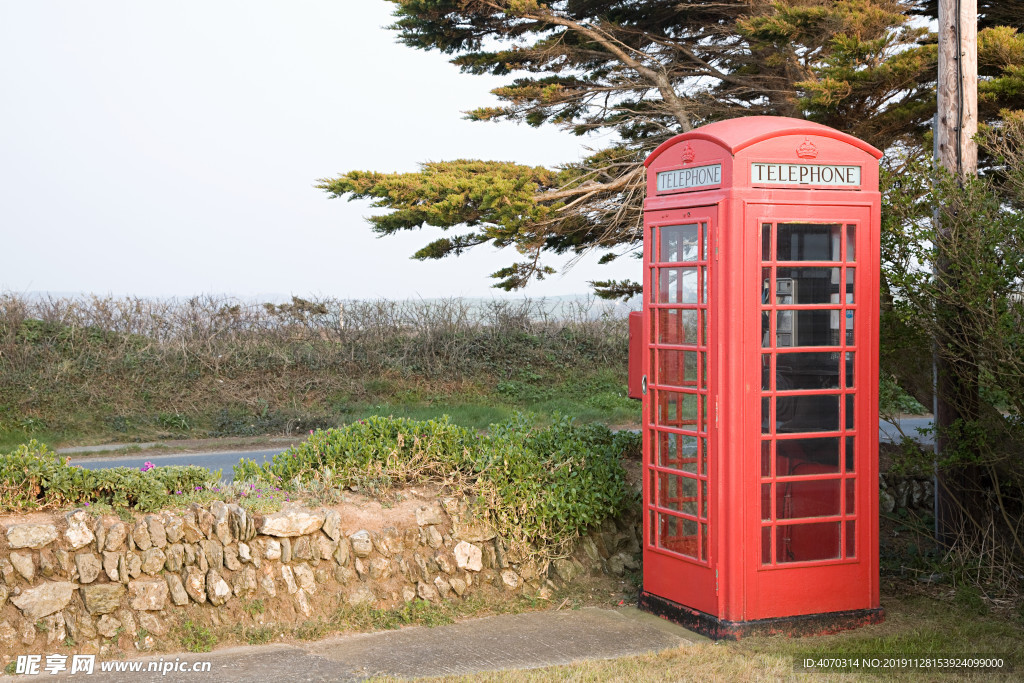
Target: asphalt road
(226,460)
(220,460)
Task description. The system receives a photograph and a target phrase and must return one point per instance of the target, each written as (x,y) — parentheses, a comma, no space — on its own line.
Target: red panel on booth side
(636,349)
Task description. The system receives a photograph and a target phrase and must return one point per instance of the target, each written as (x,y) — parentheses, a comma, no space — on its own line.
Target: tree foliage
(973,310)
(643,71)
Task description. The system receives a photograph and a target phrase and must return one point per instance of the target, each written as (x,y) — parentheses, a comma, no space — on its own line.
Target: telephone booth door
(815,463)
(679,519)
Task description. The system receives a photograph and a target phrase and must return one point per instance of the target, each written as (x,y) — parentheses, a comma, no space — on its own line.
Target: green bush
(370,450)
(539,485)
(33,476)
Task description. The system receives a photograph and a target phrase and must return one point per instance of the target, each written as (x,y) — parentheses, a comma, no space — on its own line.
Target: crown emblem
(688,154)
(807,150)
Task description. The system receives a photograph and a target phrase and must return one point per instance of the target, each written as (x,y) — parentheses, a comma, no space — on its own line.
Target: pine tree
(646,70)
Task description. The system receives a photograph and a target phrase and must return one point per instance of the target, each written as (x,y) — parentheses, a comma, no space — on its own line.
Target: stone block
(148,594)
(88,567)
(45,599)
(103,598)
(31,535)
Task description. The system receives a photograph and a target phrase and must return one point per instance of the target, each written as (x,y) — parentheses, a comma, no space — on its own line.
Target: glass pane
(766,416)
(704,541)
(849,411)
(849,285)
(677,409)
(849,328)
(851,242)
(851,454)
(807,414)
(794,457)
(766,502)
(677,368)
(850,368)
(851,539)
(677,285)
(807,286)
(704,327)
(703,456)
(784,329)
(766,372)
(704,285)
(766,458)
(677,493)
(766,545)
(679,243)
(811,370)
(704,241)
(799,499)
(703,413)
(703,370)
(654,292)
(678,535)
(677,327)
(766,285)
(704,499)
(651,528)
(766,241)
(807,542)
(808,328)
(766,340)
(808,242)
(851,489)
(677,451)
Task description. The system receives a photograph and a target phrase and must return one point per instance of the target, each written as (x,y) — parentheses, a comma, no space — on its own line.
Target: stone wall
(905,493)
(77,583)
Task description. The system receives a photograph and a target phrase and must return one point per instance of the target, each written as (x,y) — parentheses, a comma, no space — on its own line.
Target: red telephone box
(760,379)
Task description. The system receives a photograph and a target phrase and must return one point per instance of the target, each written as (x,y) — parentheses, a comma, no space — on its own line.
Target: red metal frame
(752,518)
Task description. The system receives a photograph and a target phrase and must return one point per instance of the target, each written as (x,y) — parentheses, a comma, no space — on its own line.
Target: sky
(166,149)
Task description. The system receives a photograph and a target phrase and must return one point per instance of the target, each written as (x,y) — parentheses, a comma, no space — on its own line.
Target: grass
(599,396)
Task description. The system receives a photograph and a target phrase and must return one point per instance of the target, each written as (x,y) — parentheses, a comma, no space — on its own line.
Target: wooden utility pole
(958,86)
(955,127)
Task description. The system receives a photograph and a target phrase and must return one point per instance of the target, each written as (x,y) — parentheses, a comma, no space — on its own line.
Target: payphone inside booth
(759,378)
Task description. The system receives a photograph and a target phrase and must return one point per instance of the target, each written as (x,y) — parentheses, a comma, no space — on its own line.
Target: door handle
(643,385)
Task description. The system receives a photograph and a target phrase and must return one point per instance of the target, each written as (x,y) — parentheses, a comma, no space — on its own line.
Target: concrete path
(520,641)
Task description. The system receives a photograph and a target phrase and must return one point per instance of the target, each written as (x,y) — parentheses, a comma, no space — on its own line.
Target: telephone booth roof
(735,135)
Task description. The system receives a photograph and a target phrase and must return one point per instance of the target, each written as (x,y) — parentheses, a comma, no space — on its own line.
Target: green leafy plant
(253,607)
(33,476)
(538,484)
(196,637)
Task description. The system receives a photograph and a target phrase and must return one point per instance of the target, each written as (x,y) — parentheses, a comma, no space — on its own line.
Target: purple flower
(147,466)
(177,493)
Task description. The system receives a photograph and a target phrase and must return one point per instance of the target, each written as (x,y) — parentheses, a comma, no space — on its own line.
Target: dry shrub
(173,359)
